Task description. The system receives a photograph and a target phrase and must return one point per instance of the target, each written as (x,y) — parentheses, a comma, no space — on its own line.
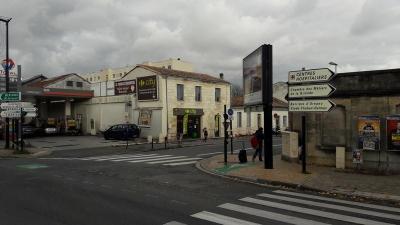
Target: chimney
(179,59)
(221,75)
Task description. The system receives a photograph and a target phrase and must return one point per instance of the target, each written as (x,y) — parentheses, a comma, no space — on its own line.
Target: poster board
(368,128)
(393,132)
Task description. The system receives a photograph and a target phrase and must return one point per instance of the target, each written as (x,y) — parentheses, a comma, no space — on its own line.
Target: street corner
(27,153)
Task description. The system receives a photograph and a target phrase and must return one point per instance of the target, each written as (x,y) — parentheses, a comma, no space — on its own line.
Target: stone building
(365,122)
(164,102)
(247,120)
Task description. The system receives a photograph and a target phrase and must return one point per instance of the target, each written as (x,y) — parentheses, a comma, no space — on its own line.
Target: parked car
(31,131)
(122,132)
(50,130)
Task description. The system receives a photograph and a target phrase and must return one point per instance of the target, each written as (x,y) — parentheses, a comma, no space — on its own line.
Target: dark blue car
(122,132)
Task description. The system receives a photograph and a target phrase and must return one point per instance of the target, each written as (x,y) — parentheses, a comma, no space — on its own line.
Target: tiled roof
(43,83)
(237,101)
(183,74)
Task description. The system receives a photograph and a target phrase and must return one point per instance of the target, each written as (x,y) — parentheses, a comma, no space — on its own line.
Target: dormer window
(70,83)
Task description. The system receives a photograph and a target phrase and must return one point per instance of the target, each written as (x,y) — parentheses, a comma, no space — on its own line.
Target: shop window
(79,84)
(239,119)
(179,92)
(198,93)
(70,83)
(217,94)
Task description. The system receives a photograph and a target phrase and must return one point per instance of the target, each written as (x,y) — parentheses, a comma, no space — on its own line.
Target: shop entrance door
(192,124)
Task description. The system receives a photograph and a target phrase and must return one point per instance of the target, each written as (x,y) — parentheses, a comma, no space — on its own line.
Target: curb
(278,184)
(29,155)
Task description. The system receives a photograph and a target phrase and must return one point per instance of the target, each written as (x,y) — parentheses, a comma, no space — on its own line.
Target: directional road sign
(29,109)
(14,105)
(16,114)
(315,90)
(311,105)
(313,75)
(10,96)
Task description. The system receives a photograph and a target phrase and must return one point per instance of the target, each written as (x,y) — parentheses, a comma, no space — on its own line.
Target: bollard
(165,142)
(152,143)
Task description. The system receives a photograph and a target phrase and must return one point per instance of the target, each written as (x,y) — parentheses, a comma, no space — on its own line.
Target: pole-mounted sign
(311,106)
(308,76)
(314,90)
(10,96)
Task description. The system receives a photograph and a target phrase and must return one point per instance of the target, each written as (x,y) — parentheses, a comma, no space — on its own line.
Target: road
(111,186)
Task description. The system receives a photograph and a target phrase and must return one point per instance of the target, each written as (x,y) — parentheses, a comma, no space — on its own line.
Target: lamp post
(7,68)
(333,64)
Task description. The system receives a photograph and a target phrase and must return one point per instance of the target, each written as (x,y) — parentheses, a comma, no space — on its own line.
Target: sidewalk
(327,180)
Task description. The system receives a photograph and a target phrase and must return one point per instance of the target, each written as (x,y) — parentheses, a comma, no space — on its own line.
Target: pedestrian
(260,137)
(205,133)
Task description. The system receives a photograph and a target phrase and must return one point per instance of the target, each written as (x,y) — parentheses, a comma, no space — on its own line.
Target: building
(164,102)
(56,97)
(108,74)
(247,121)
(174,64)
(280,90)
(365,122)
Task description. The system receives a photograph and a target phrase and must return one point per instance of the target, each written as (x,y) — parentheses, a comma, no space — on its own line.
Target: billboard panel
(393,132)
(125,87)
(147,88)
(252,78)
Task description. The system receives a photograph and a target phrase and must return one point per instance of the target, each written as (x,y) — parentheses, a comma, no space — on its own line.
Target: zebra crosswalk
(294,208)
(152,159)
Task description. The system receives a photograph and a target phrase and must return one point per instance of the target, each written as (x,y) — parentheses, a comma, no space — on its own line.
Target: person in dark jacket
(260,137)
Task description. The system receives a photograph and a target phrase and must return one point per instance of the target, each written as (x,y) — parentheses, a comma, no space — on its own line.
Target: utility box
(340,157)
(290,146)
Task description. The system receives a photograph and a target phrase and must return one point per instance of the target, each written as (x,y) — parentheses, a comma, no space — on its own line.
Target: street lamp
(334,64)
(7,20)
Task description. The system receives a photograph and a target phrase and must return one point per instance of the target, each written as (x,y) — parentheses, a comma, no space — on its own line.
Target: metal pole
(7,88)
(303,141)
(225,137)
(22,136)
(267,75)
(231,137)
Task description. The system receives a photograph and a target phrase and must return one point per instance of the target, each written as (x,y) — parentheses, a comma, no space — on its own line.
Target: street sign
(230,112)
(11,114)
(13,105)
(16,114)
(29,109)
(311,105)
(313,75)
(10,96)
(315,90)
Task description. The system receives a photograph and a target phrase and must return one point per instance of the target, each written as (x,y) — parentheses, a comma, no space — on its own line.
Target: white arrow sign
(31,114)
(30,109)
(14,105)
(306,76)
(16,114)
(311,106)
(315,90)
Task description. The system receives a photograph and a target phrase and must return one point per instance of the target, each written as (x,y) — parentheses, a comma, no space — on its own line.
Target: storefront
(188,122)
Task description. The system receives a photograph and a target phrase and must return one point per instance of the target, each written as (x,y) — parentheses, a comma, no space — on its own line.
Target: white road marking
(138,157)
(211,153)
(109,156)
(156,159)
(314,212)
(179,164)
(221,219)
(270,215)
(331,206)
(121,157)
(174,160)
(386,208)
(174,223)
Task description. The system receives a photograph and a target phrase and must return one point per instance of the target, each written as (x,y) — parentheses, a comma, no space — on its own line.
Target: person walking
(205,133)
(260,137)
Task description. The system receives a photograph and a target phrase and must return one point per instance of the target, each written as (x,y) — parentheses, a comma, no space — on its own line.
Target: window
(179,92)
(248,119)
(169,67)
(70,83)
(259,120)
(284,121)
(90,79)
(239,119)
(120,74)
(79,84)
(113,75)
(197,93)
(98,78)
(217,94)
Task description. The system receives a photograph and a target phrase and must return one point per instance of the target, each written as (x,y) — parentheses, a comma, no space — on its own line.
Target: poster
(185,123)
(145,118)
(357,156)
(252,77)
(368,128)
(125,87)
(147,88)
(393,132)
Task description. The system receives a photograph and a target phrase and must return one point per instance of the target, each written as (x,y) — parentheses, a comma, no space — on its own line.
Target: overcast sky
(54,37)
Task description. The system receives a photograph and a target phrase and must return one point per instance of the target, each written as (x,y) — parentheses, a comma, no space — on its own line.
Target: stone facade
(358,94)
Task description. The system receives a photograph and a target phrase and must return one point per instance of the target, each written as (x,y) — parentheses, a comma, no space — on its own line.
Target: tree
(237,90)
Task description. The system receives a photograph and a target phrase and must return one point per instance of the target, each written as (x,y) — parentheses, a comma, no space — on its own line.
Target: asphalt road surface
(111,186)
